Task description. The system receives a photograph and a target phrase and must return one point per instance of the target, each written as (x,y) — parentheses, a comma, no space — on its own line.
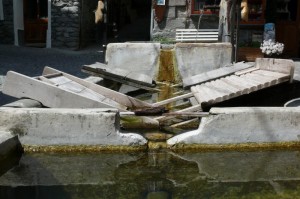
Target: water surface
(267,174)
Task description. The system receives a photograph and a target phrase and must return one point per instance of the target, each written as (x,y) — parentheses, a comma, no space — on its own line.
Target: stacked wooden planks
(265,73)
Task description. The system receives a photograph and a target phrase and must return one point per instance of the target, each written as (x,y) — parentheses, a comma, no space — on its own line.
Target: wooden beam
(123,99)
(121,75)
(215,74)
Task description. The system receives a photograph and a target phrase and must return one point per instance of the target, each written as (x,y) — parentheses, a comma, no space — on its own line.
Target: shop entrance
(35,21)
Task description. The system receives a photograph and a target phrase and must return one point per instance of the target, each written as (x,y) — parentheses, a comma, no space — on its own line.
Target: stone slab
(244,125)
(24,103)
(47,127)
(196,58)
(136,57)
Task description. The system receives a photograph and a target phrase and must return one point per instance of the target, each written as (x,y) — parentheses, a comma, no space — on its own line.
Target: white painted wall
(1,10)
(18,19)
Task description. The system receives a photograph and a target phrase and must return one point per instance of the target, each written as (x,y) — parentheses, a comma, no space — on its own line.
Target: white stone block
(245,125)
(41,126)
(138,57)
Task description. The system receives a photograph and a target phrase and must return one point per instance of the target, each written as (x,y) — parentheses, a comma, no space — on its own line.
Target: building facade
(71,24)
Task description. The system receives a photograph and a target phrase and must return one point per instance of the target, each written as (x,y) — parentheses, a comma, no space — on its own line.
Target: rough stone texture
(65,24)
(176,17)
(138,57)
(171,12)
(44,127)
(245,125)
(196,58)
(7,25)
(177,3)
(206,22)
(167,28)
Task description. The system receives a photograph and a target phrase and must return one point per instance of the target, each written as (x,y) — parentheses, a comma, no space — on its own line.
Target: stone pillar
(7,25)
(66,24)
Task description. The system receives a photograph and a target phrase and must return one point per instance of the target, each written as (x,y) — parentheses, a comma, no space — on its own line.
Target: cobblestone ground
(31,61)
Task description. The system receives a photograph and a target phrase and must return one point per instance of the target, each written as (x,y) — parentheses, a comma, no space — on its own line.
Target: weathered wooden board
(21,86)
(189,109)
(120,75)
(233,86)
(284,66)
(123,99)
(170,100)
(215,74)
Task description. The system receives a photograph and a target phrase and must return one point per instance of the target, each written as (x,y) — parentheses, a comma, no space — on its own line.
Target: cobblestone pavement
(31,61)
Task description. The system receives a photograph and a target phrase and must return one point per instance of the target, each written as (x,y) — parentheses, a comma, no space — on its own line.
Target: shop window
(205,7)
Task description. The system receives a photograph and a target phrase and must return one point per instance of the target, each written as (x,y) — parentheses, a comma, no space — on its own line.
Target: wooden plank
(69,85)
(248,70)
(216,95)
(21,86)
(197,30)
(270,80)
(226,84)
(185,124)
(244,87)
(170,100)
(196,39)
(259,84)
(249,85)
(120,75)
(215,74)
(276,65)
(219,86)
(123,99)
(271,74)
(189,109)
(187,114)
(202,93)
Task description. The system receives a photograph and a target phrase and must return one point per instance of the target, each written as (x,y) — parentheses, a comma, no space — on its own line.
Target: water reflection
(163,175)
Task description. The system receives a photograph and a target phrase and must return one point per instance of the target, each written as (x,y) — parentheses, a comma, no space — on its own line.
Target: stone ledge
(243,125)
(73,127)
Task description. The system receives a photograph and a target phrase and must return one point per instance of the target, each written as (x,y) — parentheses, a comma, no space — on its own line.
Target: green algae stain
(166,67)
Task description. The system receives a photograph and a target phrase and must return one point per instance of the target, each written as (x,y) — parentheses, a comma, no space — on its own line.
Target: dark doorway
(123,20)
(35,21)
(128,20)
